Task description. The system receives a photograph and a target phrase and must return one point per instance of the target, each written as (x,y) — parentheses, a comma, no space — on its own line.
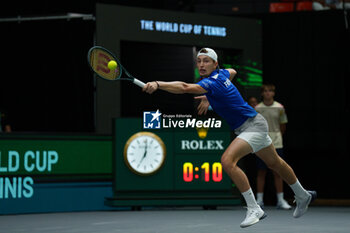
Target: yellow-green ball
(112,65)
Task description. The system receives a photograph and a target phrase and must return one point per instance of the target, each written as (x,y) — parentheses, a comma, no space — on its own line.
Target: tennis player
(250,127)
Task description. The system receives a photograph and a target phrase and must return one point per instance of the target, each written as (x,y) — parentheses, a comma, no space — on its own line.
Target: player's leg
(237,150)
(234,152)
(277,164)
(278,182)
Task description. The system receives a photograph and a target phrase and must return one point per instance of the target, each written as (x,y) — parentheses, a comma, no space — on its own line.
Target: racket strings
(99,62)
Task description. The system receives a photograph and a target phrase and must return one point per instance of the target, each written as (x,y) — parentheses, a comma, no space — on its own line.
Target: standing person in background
(276,118)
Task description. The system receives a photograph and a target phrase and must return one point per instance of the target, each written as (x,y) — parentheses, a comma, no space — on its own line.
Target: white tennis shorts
(255,132)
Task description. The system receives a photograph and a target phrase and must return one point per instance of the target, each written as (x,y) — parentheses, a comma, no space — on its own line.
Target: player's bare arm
(176,87)
(232,73)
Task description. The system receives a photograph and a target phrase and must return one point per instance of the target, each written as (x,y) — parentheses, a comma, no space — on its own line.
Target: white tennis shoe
(253,216)
(283,205)
(303,203)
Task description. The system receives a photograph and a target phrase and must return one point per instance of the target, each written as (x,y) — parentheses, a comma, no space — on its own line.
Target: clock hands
(144,154)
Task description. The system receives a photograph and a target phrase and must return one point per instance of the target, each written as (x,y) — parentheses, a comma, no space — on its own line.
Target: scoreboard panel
(190,175)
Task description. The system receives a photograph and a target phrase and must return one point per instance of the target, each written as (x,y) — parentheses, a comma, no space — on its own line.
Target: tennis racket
(98,58)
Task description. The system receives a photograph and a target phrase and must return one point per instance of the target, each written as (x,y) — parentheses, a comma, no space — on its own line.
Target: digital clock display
(206,171)
(200,172)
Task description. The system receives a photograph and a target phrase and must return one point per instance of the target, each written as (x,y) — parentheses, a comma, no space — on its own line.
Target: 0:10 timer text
(189,172)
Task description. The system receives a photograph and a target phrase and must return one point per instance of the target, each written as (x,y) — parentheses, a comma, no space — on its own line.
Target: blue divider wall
(60,197)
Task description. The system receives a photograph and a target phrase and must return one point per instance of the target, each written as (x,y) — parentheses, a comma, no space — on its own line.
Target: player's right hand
(150,87)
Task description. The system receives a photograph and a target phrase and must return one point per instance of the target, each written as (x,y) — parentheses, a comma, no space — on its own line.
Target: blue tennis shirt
(225,99)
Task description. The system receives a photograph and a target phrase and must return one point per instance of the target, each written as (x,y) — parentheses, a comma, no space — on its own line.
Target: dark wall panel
(306,56)
(150,62)
(45,82)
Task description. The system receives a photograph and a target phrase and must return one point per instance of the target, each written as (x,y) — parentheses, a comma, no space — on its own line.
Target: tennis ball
(112,65)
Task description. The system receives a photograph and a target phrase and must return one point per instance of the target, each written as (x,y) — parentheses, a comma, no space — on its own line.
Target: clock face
(144,153)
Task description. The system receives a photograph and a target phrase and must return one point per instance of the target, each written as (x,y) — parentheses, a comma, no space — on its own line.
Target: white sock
(260,197)
(298,190)
(250,199)
(280,197)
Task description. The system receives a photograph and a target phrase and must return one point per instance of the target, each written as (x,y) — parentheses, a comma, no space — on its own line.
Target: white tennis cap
(208,52)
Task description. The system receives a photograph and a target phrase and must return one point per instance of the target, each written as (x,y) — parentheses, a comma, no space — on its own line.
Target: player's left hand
(203,105)
(150,87)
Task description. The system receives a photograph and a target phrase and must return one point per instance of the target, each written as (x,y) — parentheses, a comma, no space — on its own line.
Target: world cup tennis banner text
(32,161)
(182,28)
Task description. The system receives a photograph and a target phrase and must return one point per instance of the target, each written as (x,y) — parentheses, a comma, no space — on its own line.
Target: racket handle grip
(139,83)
